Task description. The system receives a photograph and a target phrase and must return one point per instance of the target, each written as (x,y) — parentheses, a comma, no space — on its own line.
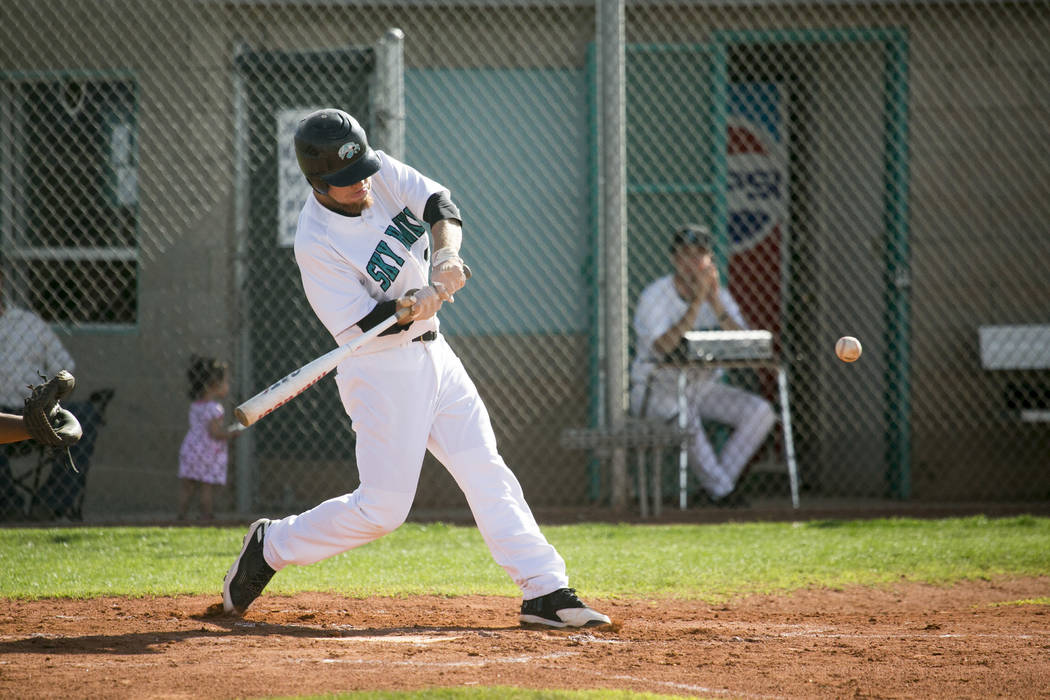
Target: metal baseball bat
(288,387)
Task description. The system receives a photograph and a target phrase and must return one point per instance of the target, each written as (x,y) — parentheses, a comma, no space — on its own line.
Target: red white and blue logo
(757,193)
(757,201)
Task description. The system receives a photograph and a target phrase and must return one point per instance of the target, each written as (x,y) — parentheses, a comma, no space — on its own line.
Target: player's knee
(384,511)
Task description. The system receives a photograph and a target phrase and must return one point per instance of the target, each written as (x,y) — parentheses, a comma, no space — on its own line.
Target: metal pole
(389,97)
(612,179)
(789,442)
(245,462)
(683,452)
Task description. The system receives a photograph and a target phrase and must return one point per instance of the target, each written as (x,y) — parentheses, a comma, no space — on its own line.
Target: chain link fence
(874,169)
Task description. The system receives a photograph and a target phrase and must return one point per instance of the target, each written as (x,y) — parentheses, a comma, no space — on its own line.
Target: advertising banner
(757,200)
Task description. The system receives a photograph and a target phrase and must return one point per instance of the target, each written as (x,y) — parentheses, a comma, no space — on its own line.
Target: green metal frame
(896,255)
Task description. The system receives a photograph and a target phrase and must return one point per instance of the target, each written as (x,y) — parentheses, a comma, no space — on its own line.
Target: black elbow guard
(380,312)
(439,207)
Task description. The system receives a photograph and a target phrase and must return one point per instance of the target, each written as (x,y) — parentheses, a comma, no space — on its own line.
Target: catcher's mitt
(46,421)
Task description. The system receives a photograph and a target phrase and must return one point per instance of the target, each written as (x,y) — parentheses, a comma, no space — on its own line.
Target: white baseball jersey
(403,397)
(28,348)
(351,263)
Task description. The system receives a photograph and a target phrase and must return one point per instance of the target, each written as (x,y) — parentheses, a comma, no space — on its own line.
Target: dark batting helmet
(333,150)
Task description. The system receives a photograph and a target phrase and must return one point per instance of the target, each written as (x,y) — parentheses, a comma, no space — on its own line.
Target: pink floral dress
(202,457)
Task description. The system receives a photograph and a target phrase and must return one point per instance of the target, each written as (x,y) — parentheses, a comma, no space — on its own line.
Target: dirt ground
(908,640)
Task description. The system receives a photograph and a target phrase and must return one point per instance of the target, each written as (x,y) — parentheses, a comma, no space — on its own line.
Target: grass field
(706,562)
(709,563)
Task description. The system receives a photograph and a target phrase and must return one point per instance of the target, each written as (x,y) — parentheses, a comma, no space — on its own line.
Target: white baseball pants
(748,415)
(404,401)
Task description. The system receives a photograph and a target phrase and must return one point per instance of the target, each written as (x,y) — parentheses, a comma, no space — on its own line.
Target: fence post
(613,215)
(389,94)
(244,453)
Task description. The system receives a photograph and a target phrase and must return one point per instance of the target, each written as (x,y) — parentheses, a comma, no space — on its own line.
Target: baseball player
(363,253)
(693,299)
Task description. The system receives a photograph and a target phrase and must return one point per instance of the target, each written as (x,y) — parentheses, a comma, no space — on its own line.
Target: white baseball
(848,348)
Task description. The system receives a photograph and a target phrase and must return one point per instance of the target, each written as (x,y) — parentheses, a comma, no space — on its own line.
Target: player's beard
(355,208)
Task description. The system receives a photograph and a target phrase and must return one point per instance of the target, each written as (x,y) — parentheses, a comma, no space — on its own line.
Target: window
(69,196)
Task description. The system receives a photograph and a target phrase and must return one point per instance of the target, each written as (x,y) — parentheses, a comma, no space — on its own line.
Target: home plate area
(975,639)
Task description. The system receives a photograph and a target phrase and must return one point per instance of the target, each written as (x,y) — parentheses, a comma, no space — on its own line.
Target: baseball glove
(46,421)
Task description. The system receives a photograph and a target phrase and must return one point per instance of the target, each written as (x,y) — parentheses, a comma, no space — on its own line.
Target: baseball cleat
(560,609)
(249,574)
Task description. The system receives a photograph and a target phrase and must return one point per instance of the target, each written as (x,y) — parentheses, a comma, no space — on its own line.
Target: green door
(291,451)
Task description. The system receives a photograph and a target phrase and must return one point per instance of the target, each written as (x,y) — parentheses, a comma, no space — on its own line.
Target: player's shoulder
(312,226)
(387,162)
(657,289)
(392,170)
(16,315)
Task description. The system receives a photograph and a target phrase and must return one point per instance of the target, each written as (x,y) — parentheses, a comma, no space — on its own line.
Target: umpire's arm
(12,428)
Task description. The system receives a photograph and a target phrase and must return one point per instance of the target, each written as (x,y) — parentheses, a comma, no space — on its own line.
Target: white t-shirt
(351,263)
(659,307)
(28,348)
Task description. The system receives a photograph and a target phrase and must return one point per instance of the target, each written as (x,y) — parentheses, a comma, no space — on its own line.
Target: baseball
(848,348)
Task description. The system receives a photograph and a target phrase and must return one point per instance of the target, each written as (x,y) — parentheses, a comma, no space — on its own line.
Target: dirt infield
(908,640)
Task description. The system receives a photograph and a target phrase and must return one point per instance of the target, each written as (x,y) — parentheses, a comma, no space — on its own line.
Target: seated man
(693,299)
(29,350)
(44,421)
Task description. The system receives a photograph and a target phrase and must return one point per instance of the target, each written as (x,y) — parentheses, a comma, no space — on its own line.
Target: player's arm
(447,274)
(12,428)
(726,322)
(669,339)
(329,285)
(446,228)
(722,304)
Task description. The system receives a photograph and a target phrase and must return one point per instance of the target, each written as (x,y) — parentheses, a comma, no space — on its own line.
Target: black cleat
(560,609)
(249,574)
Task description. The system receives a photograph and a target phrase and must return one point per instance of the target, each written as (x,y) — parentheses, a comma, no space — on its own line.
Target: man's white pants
(748,415)
(404,401)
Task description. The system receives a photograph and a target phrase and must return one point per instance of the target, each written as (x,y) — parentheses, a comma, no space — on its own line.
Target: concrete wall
(980,168)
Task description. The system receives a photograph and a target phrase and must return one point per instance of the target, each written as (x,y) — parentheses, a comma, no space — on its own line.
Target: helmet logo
(349,150)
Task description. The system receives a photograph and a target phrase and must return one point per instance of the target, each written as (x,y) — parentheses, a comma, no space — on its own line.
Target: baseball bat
(288,387)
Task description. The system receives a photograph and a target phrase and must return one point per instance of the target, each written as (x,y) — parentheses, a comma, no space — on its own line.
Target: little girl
(204,451)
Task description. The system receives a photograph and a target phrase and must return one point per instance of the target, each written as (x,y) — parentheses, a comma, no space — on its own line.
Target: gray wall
(980,180)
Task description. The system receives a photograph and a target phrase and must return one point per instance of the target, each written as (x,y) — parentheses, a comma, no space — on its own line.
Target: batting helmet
(332,149)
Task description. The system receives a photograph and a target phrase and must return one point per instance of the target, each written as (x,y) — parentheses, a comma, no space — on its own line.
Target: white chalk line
(903,634)
(398,639)
(453,664)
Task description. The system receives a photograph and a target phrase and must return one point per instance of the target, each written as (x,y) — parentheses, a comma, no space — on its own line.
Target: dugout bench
(651,438)
(1023,352)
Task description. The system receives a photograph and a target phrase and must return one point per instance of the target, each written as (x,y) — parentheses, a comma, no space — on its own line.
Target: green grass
(1044,600)
(709,562)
